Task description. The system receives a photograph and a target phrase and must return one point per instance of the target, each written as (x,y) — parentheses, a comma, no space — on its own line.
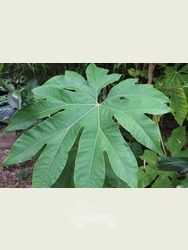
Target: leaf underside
(70,106)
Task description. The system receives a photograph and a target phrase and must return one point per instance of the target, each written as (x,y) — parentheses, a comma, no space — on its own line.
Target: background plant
(14,96)
(168,171)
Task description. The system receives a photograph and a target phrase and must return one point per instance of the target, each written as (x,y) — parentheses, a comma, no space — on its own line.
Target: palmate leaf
(70,105)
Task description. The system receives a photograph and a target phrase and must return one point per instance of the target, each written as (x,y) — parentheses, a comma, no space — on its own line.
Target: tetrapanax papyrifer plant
(71,107)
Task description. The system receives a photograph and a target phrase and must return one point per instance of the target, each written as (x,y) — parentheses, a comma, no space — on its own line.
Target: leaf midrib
(98,115)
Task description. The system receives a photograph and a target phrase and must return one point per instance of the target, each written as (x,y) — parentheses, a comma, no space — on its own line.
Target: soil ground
(15,176)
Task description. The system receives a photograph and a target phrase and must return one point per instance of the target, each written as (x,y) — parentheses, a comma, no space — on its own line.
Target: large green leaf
(70,105)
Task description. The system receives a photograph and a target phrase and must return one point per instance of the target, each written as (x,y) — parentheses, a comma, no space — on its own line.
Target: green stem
(6,86)
(161,138)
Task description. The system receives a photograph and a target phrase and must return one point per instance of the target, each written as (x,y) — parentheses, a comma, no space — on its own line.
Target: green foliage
(14,94)
(184,183)
(149,175)
(14,99)
(21,73)
(162,170)
(16,86)
(172,163)
(133,72)
(1,66)
(179,160)
(70,106)
(176,142)
(173,84)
